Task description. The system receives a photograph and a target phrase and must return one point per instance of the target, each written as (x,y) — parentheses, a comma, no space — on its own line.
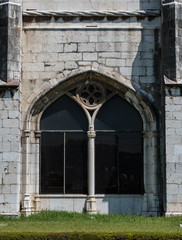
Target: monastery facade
(91,106)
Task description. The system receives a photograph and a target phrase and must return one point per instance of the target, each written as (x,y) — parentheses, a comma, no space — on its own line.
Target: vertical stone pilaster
(10,38)
(172,40)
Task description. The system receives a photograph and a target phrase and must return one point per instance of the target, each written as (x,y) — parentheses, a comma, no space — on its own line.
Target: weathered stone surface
(91,5)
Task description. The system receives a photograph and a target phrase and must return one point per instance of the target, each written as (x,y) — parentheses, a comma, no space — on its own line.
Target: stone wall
(10,160)
(173,150)
(49,56)
(10,117)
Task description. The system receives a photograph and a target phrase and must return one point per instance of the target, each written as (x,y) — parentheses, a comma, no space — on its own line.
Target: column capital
(91,134)
(37,134)
(27,133)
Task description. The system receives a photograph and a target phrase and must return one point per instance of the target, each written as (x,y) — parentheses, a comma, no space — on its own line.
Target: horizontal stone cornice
(10,3)
(120,13)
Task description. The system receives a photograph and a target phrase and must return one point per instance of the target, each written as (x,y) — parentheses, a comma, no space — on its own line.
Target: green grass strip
(61,222)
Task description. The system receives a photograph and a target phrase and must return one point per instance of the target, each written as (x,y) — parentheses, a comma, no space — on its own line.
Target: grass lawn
(48,221)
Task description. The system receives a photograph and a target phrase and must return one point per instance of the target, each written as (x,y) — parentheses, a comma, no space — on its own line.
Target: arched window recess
(99,152)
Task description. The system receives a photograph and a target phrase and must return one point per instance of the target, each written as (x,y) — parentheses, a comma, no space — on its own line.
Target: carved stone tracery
(91,94)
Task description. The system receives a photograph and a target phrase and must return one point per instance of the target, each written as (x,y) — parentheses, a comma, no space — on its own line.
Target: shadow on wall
(146,71)
(146,78)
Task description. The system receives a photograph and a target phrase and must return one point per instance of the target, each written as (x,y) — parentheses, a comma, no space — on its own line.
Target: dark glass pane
(130,163)
(106,171)
(119,115)
(64,114)
(76,163)
(52,162)
(119,163)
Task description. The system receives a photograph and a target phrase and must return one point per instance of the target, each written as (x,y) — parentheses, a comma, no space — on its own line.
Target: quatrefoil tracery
(91,94)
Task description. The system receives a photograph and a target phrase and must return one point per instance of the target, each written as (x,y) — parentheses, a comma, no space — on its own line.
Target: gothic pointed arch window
(118,143)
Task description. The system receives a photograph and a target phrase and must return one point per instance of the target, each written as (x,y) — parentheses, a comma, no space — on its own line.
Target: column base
(37,205)
(91,206)
(26,205)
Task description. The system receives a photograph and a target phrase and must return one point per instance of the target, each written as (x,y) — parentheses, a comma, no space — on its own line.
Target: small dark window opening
(52,162)
(63,163)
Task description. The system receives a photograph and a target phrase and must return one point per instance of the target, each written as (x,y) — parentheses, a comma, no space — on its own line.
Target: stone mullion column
(91,201)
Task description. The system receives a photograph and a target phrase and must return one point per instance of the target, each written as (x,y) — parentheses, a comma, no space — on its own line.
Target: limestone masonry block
(72,47)
(86,47)
(89,56)
(70,57)
(115,62)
